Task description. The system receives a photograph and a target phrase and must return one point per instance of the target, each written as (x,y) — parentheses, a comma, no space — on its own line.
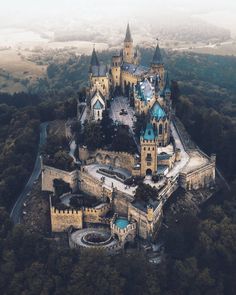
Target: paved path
(17,208)
(110,182)
(184,156)
(117,105)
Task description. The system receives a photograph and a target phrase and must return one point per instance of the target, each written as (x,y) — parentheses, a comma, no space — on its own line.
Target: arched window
(160,129)
(166,128)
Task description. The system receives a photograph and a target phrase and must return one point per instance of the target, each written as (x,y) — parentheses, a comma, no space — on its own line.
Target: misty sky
(18,12)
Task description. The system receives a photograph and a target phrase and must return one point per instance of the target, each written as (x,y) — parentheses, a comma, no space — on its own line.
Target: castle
(118,217)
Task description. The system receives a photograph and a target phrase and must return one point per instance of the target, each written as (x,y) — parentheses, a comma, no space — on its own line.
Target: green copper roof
(128,37)
(149,133)
(157,112)
(98,105)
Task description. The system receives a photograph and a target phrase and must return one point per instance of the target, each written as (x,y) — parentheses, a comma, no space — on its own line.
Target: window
(144,149)
(160,129)
(149,148)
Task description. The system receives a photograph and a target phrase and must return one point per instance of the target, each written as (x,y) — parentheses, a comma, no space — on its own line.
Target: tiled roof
(99,71)
(128,37)
(149,133)
(98,105)
(145,90)
(157,112)
(94,59)
(157,58)
(136,70)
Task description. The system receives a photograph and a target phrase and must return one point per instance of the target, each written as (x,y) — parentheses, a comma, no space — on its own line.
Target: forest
(200,251)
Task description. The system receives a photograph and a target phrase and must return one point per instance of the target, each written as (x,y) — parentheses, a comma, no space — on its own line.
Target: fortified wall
(146,221)
(62,220)
(51,173)
(116,159)
(194,178)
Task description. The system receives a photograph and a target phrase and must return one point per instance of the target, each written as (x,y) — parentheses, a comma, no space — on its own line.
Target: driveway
(16,212)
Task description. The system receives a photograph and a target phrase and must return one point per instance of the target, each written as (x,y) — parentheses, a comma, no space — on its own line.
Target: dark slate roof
(161,169)
(128,37)
(157,58)
(167,82)
(141,205)
(99,93)
(99,71)
(167,88)
(136,70)
(164,156)
(94,59)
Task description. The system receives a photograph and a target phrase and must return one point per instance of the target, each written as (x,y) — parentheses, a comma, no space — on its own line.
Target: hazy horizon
(46,13)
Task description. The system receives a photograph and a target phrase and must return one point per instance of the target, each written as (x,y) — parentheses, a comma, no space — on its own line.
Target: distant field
(218,49)
(14,68)
(22,65)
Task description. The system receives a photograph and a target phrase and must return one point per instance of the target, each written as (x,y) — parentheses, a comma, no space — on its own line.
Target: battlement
(114,152)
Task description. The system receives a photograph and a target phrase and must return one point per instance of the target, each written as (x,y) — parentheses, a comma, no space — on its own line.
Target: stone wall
(50,173)
(100,156)
(200,178)
(90,185)
(61,220)
(127,234)
(116,159)
(141,219)
(121,203)
(95,215)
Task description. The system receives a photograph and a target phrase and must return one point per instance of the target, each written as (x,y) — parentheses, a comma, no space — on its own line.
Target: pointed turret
(157,58)
(128,52)
(128,37)
(149,133)
(94,59)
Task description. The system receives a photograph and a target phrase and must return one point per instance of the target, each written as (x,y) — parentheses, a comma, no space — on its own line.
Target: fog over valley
(48,23)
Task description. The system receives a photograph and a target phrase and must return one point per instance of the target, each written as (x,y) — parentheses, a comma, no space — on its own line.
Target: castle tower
(148,141)
(98,76)
(157,65)
(116,70)
(128,51)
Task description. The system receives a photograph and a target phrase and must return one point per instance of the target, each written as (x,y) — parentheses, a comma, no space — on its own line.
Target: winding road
(16,212)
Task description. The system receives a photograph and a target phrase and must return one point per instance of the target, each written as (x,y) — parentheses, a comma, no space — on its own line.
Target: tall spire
(94,59)
(157,58)
(128,37)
